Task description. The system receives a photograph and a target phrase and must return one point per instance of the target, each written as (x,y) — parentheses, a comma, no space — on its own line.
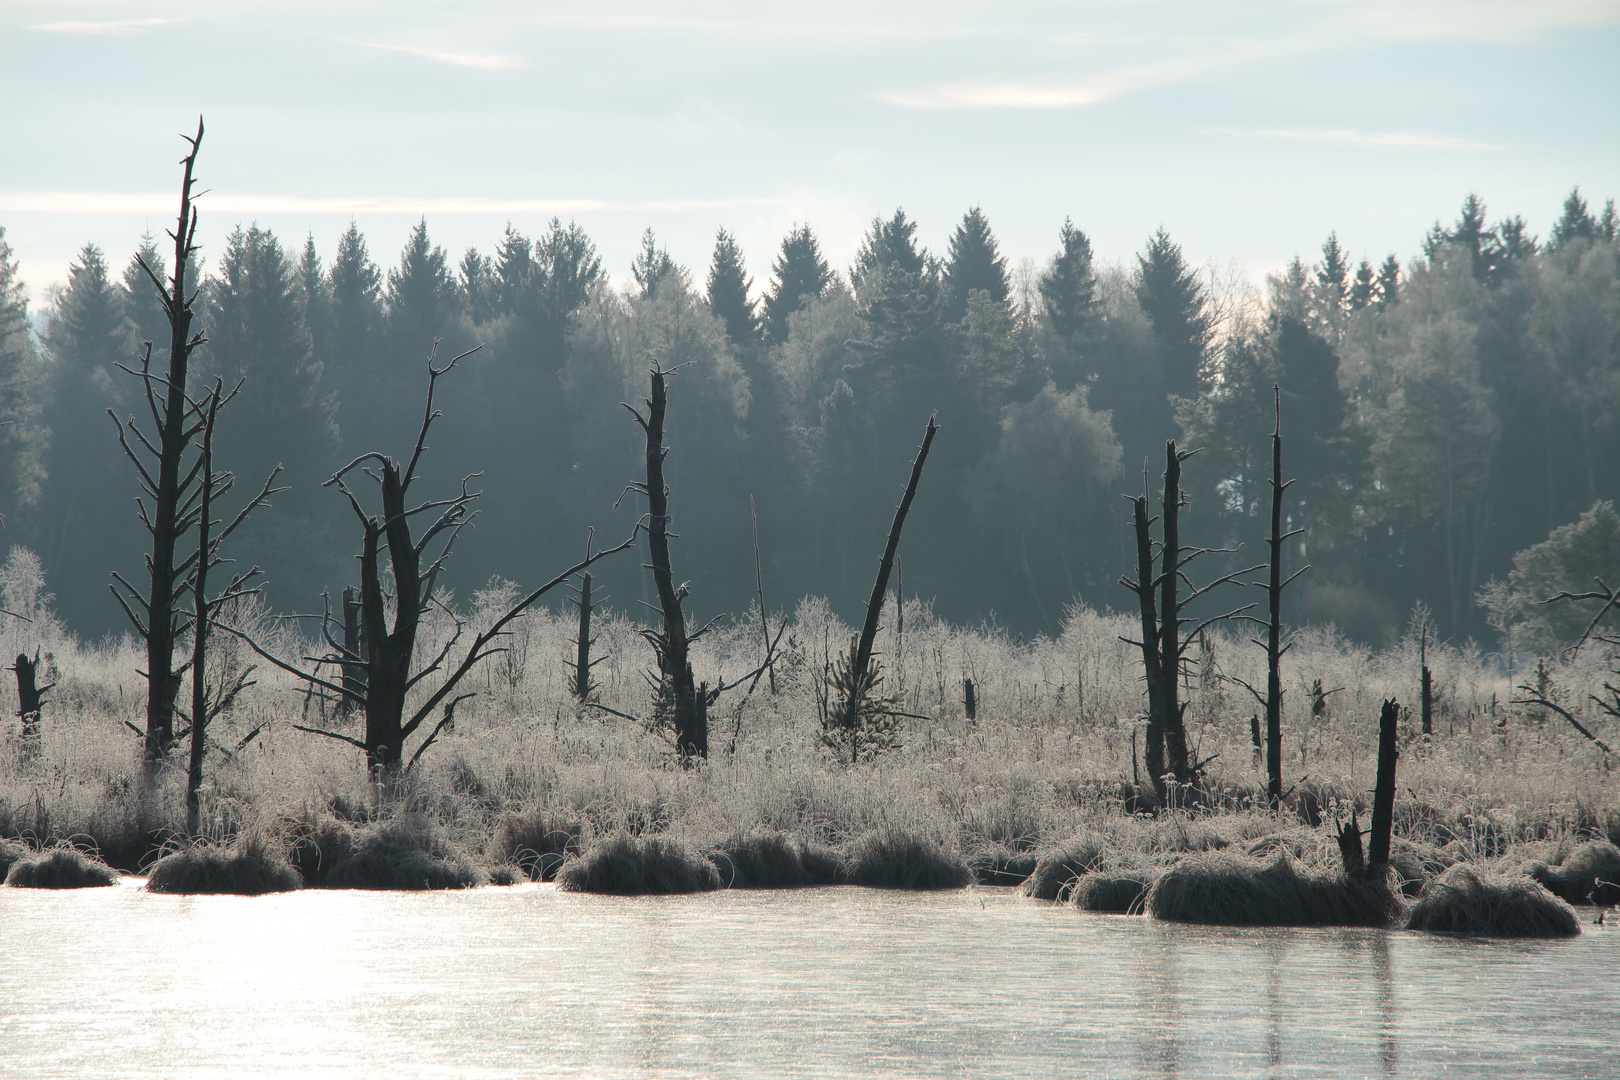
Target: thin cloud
(1079,93)
(111,202)
(118,26)
(1402,140)
(456,57)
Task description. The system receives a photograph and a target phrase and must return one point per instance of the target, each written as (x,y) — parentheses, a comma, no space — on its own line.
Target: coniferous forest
(1446,412)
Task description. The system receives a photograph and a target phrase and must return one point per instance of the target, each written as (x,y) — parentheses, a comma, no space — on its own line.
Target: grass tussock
(889,858)
(315,844)
(537,841)
(1000,865)
(1058,867)
(1590,874)
(1469,900)
(253,867)
(623,864)
(1221,889)
(771,859)
(60,868)
(507,874)
(406,852)
(1119,892)
(11,851)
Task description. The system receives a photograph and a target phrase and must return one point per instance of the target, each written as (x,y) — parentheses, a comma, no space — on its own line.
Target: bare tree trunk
(688,708)
(1383,817)
(354,645)
(1274,596)
(1425,688)
(1172,719)
(199,630)
(174,435)
(30,695)
(583,687)
(1153,750)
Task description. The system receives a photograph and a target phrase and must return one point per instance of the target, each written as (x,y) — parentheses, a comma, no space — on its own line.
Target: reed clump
(771,859)
(890,858)
(623,864)
(1111,892)
(1058,867)
(1222,889)
(406,852)
(60,868)
(316,842)
(536,841)
(507,874)
(1472,900)
(252,867)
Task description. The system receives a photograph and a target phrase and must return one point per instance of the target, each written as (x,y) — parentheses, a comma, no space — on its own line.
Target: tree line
(1443,414)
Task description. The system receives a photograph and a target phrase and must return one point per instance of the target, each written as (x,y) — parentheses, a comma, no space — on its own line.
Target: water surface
(818,982)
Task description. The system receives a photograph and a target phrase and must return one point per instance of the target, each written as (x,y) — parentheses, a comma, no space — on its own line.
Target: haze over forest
(1448,392)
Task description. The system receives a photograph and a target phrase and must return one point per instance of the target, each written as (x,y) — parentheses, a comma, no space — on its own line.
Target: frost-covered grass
(528,776)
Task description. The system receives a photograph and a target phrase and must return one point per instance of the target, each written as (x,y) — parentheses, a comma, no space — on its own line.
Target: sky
(1248,130)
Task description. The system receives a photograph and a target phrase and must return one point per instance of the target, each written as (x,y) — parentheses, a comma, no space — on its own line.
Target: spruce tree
(424,302)
(141,306)
(1069,288)
(652,265)
(1576,223)
(257,331)
(513,272)
(973,262)
(1171,296)
(479,287)
(800,271)
(1365,287)
(728,291)
(316,294)
(21,468)
(1389,282)
(1332,279)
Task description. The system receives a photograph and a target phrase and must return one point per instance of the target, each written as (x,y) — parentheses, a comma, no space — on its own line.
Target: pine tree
(800,271)
(973,262)
(1576,223)
(352,355)
(898,294)
(1069,287)
(652,266)
(728,287)
(1609,224)
(1174,301)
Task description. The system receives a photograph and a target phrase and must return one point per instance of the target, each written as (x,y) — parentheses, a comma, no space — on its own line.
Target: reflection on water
(822,982)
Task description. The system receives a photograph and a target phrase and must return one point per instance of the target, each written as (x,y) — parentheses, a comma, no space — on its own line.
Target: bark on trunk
(1383,818)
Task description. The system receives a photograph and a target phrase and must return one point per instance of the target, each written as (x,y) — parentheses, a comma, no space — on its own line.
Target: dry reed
(1471,900)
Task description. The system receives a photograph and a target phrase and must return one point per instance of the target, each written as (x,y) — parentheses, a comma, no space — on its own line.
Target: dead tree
(1541,692)
(354,672)
(1425,686)
(389,677)
(30,695)
(856,712)
(1274,585)
(173,489)
(212,485)
(680,703)
(1163,644)
(1383,814)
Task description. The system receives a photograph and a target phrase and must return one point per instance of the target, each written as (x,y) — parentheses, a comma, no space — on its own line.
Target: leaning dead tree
(1163,644)
(173,489)
(388,651)
(856,718)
